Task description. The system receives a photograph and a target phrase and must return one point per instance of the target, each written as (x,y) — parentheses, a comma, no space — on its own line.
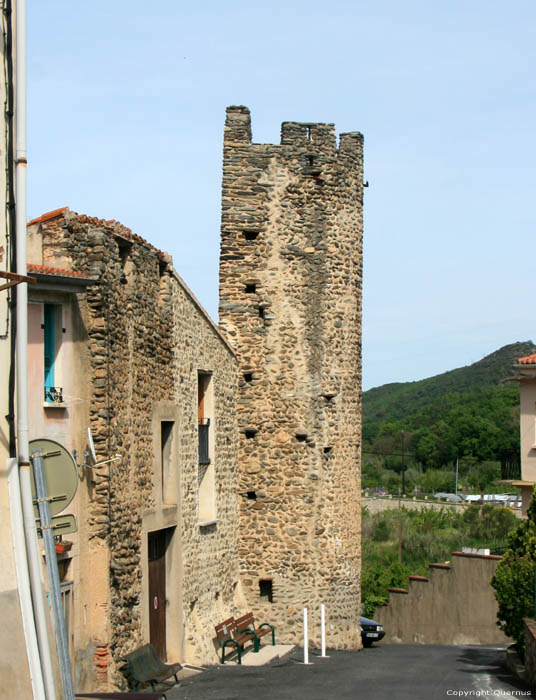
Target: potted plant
(63,546)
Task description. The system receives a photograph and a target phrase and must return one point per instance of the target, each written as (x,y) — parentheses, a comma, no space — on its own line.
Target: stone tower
(290,304)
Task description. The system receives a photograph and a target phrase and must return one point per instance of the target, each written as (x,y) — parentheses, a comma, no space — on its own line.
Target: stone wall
(530,652)
(290,304)
(455,604)
(148,338)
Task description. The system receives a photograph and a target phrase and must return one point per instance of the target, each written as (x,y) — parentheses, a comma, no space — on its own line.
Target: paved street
(384,672)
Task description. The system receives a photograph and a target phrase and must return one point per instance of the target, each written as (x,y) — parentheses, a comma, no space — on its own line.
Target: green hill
(398,401)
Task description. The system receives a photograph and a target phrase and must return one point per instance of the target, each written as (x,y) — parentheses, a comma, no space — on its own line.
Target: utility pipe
(32,550)
(23,579)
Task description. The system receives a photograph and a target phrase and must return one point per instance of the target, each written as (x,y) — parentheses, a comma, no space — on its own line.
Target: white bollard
(305,638)
(323,631)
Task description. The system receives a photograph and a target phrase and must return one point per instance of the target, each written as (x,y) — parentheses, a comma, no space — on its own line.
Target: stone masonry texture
(290,305)
(147,338)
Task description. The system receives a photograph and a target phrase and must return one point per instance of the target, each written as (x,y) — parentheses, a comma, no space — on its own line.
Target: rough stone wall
(290,304)
(148,337)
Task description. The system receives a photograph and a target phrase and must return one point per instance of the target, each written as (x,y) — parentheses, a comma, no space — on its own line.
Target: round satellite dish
(91,446)
(60,474)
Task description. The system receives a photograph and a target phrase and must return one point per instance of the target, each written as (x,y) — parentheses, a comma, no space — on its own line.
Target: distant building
(526,374)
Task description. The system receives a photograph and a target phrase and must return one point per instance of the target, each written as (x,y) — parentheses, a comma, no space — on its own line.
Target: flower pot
(62,547)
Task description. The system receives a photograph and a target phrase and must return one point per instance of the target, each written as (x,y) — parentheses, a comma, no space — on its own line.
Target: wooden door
(157,591)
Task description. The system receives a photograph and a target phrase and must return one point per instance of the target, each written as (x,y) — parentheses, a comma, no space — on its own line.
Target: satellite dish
(60,475)
(91,446)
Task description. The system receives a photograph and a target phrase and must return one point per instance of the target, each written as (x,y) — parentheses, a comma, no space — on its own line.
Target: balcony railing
(204,456)
(53,394)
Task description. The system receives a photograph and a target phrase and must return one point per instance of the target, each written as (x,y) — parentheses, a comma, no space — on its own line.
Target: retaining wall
(453,605)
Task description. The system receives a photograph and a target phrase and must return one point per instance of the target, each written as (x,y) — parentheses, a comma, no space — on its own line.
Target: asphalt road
(383,672)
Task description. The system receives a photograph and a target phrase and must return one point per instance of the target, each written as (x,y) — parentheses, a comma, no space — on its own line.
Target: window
(166,458)
(205,426)
(203,416)
(266,589)
(52,339)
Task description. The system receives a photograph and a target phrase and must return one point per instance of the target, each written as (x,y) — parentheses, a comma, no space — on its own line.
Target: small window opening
(327,450)
(266,589)
(248,377)
(250,235)
(250,433)
(301,437)
(261,311)
(166,454)
(124,250)
(251,288)
(308,132)
(310,161)
(162,267)
(252,495)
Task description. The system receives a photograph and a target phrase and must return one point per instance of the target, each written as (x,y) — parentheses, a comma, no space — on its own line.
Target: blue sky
(126,110)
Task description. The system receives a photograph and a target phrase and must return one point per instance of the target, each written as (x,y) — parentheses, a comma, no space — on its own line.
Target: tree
(514,579)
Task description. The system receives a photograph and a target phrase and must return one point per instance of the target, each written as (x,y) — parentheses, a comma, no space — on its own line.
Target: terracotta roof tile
(529,360)
(110,225)
(54,214)
(54,271)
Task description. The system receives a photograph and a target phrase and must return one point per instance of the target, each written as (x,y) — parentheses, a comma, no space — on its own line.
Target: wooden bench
(246,625)
(146,667)
(227,636)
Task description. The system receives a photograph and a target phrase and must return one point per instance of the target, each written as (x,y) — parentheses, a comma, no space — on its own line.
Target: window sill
(54,404)
(207,523)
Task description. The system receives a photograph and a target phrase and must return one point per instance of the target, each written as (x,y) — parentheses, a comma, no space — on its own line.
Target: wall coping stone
(474,555)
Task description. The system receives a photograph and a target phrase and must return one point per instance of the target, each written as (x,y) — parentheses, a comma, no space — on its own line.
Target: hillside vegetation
(397,545)
(419,429)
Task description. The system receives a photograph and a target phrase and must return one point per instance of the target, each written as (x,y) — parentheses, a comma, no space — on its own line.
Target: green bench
(229,640)
(233,635)
(246,625)
(145,667)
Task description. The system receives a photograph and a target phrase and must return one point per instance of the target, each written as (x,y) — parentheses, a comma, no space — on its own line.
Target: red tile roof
(48,216)
(111,225)
(54,271)
(529,360)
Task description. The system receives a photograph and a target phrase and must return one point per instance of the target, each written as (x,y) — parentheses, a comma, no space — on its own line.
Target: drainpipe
(30,533)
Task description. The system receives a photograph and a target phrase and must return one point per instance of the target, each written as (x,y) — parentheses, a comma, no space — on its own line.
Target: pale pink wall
(528,429)
(53,423)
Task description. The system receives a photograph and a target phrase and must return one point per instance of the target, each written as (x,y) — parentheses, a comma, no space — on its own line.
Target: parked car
(371,631)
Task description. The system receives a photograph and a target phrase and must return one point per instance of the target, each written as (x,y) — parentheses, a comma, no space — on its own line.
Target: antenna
(90,452)
(91,446)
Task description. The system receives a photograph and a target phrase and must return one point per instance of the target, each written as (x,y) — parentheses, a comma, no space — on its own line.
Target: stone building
(290,305)
(137,360)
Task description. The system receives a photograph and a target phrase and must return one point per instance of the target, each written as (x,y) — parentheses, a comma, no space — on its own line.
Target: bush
(514,579)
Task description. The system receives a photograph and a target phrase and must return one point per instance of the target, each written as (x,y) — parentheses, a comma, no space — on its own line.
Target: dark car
(371,631)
